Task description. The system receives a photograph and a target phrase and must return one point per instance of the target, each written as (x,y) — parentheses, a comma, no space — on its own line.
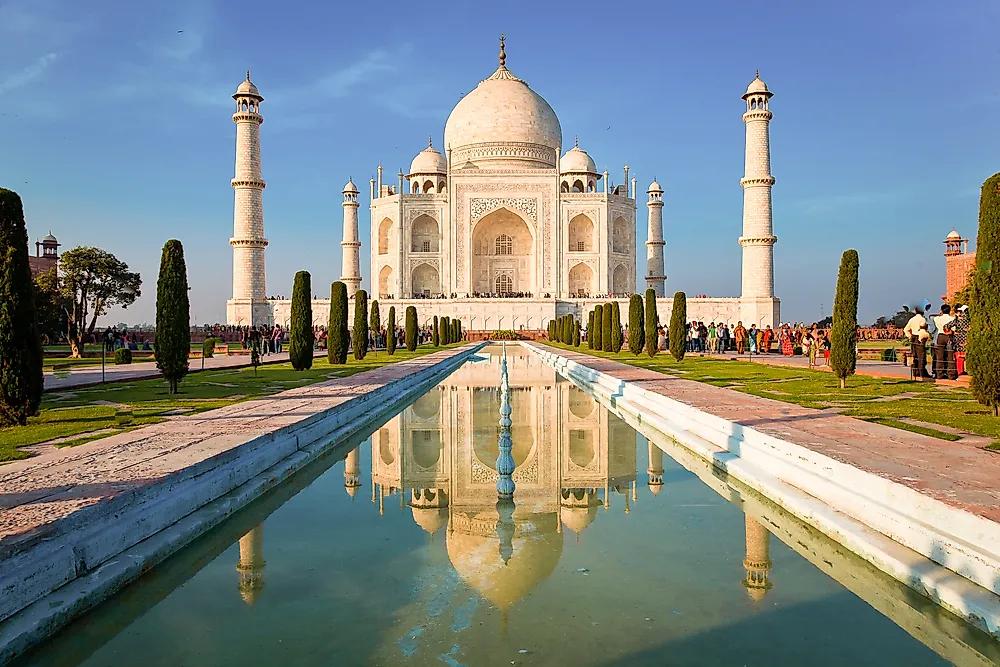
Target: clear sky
(116,129)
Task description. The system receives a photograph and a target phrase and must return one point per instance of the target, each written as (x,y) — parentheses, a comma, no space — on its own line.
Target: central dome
(503,120)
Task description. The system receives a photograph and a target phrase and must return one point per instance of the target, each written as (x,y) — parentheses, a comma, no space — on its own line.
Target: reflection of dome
(656,488)
(577,160)
(504,110)
(429,161)
(757,594)
(352,489)
(430,519)
(578,518)
(474,551)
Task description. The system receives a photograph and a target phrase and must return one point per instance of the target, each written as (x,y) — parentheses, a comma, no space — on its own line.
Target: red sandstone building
(46,255)
(958,262)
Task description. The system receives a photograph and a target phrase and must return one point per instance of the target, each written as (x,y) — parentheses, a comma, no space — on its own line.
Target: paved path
(956,473)
(90,375)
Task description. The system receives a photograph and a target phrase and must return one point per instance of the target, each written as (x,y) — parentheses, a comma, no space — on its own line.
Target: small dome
(656,488)
(352,490)
(576,160)
(654,187)
(757,86)
(51,239)
(951,235)
(578,518)
(430,519)
(429,161)
(247,88)
(350,187)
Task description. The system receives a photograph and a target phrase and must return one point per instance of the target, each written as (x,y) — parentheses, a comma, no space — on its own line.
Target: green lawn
(925,402)
(79,414)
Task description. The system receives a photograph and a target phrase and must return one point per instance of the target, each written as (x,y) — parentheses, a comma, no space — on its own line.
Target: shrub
(678,326)
(598,333)
(844,335)
(123,356)
(889,354)
(359,340)
(636,325)
(208,347)
(20,340)
(390,332)
(173,319)
(983,353)
(411,328)
(435,335)
(337,338)
(652,321)
(504,334)
(300,330)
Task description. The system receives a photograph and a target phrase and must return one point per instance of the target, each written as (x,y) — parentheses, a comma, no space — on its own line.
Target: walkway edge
(829,495)
(41,590)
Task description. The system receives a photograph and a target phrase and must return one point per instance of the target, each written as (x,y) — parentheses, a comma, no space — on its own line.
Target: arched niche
(581,280)
(581,234)
(425,235)
(619,280)
(619,235)
(385,282)
(384,231)
(425,280)
(503,243)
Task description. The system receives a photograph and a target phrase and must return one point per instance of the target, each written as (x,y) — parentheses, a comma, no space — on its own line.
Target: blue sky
(115,128)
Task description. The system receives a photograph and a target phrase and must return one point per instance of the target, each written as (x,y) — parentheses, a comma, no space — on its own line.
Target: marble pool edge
(869,515)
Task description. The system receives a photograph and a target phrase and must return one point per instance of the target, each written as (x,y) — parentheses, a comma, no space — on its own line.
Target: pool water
(616,554)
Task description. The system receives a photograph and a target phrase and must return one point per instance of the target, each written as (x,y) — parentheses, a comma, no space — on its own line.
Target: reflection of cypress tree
(607,318)
(173,319)
(598,327)
(390,332)
(411,328)
(678,326)
(435,333)
(636,326)
(337,338)
(20,341)
(984,308)
(360,339)
(844,335)
(652,321)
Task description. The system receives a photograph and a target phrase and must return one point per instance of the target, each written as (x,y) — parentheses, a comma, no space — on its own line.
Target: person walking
(713,338)
(916,331)
(752,336)
(740,336)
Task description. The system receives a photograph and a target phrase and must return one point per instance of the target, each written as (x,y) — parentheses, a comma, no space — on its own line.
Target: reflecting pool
(392,551)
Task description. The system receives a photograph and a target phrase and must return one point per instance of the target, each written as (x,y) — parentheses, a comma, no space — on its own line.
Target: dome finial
(430,142)
(248,74)
(503,53)
(757,73)
(576,142)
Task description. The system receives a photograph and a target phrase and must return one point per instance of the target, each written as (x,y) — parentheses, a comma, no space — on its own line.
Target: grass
(920,401)
(93,412)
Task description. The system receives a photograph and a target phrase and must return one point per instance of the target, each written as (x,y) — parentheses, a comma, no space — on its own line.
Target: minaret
(655,276)
(248,212)
(352,472)
(758,560)
(757,240)
(251,567)
(351,265)
(655,469)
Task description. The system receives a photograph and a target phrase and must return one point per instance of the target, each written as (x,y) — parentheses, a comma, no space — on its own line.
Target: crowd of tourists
(115,339)
(264,338)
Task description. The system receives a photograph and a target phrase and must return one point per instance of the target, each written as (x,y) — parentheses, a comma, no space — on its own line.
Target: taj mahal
(502,229)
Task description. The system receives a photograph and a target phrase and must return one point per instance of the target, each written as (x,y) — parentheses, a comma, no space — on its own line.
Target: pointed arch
(425,281)
(581,234)
(384,232)
(581,280)
(425,235)
(620,237)
(385,282)
(619,280)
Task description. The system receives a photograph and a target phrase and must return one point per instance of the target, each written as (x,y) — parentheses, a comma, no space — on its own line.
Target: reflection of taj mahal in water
(572,457)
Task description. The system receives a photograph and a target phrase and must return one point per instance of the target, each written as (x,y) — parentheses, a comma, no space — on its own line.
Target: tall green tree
(598,332)
(458,328)
(616,327)
(844,335)
(436,332)
(636,325)
(678,326)
(590,330)
(359,335)
(552,330)
(390,332)
(300,329)
(607,317)
(173,315)
(337,338)
(652,321)
(456,331)
(375,322)
(20,340)
(576,334)
(411,328)
(446,330)
(983,353)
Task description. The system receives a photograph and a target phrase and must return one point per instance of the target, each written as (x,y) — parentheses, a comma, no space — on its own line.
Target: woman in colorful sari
(787,346)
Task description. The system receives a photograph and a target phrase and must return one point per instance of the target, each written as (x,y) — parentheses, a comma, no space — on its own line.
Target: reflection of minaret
(251,567)
(352,472)
(655,469)
(758,560)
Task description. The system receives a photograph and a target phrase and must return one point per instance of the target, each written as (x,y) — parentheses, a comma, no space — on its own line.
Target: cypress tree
(390,332)
(844,335)
(652,321)
(411,328)
(636,326)
(173,318)
(607,315)
(455,331)
(562,329)
(300,331)
(678,326)
(360,332)
(552,330)
(375,321)
(20,340)
(337,339)
(435,334)
(616,327)
(576,334)
(598,327)
(590,330)
(458,325)
(447,331)
(983,350)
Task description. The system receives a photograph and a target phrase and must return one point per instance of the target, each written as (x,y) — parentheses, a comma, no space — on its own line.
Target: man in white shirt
(917,346)
(944,345)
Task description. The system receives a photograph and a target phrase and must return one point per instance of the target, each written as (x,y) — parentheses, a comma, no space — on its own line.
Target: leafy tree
(576,334)
(20,342)
(411,328)
(300,331)
(52,320)
(678,326)
(598,333)
(983,353)
(91,281)
(359,338)
(390,332)
(607,315)
(652,321)
(337,337)
(375,321)
(844,335)
(590,330)
(435,333)
(636,326)
(173,315)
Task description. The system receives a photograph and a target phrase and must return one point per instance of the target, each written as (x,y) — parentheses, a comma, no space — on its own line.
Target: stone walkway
(39,492)
(956,473)
(90,375)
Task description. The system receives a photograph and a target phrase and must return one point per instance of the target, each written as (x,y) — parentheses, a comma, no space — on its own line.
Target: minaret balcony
(758,240)
(756,181)
(249,183)
(248,243)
